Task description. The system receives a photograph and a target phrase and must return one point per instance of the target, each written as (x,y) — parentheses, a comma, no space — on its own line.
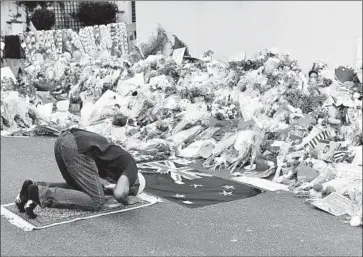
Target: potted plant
(30,6)
(96,13)
(43,19)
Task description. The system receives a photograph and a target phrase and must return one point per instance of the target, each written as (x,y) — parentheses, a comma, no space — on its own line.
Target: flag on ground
(190,187)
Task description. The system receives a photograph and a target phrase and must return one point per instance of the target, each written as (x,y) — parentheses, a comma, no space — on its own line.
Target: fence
(63,15)
(64,11)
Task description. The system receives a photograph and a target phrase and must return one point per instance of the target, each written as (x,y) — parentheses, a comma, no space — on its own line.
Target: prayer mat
(189,187)
(49,217)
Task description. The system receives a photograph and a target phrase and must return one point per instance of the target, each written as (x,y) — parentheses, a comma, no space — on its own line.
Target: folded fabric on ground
(190,187)
(49,217)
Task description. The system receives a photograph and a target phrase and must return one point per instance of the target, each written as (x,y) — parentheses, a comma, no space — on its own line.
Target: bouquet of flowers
(321,65)
(75,40)
(290,79)
(287,61)
(28,43)
(159,129)
(220,156)
(106,42)
(253,80)
(7,84)
(67,41)
(326,78)
(119,38)
(196,94)
(307,104)
(88,40)
(225,111)
(170,69)
(162,85)
(51,45)
(58,38)
(39,42)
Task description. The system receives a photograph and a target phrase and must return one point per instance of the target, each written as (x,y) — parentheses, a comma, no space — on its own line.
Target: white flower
(321,64)
(274,50)
(327,74)
(286,54)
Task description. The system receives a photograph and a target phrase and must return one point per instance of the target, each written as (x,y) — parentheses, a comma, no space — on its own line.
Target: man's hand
(110,186)
(121,190)
(107,186)
(104,182)
(108,189)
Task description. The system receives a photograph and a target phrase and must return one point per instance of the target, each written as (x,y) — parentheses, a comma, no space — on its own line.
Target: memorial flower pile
(256,116)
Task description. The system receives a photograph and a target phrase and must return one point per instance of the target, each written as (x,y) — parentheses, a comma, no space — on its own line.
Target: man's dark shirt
(112,161)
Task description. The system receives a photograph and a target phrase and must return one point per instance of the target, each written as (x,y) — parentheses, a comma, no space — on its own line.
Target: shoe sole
(20,204)
(29,209)
(23,197)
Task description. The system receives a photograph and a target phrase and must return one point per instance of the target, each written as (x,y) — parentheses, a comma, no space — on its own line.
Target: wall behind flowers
(309,30)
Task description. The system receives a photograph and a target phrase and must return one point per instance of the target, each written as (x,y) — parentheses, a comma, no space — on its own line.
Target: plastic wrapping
(182,136)
(14,105)
(203,148)
(45,111)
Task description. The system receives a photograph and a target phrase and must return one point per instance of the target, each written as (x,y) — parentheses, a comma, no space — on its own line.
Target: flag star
(195,186)
(187,202)
(226,193)
(179,196)
(228,187)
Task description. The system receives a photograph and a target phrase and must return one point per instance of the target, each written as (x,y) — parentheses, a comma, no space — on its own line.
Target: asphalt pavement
(270,224)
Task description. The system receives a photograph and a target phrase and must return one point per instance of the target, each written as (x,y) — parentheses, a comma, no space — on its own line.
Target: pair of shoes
(28,198)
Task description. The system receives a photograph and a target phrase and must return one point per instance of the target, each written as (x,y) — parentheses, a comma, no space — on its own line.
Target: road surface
(270,224)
